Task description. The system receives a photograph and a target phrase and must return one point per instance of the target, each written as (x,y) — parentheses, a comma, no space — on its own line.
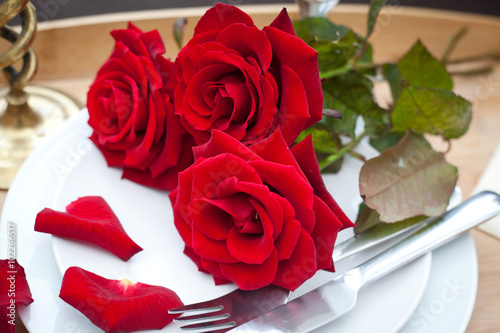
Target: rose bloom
(257,215)
(133,121)
(246,82)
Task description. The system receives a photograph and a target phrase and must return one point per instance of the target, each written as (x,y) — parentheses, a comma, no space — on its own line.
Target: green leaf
(319,29)
(368,219)
(377,127)
(438,112)
(421,69)
(393,76)
(332,55)
(323,140)
(347,124)
(336,44)
(385,141)
(366,59)
(375,7)
(353,91)
(351,94)
(332,167)
(407,180)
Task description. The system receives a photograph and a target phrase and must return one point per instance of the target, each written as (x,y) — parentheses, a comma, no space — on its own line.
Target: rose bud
(89,219)
(257,215)
(131,114)
(118,306)
(14,291)
(246,82)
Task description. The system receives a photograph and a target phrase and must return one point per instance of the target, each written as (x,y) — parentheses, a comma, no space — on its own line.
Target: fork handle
(448,226)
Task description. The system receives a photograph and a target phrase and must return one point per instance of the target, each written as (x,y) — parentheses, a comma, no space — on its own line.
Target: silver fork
(243,305)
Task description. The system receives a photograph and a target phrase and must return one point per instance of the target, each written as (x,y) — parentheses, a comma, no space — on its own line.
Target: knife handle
(448,226)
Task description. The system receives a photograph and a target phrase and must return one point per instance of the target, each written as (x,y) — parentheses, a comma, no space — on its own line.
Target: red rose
(256,215)
(246,82)
(130,111)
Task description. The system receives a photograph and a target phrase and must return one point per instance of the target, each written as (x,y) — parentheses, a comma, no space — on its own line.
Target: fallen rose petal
(89,219)
(14,291)
(118,306)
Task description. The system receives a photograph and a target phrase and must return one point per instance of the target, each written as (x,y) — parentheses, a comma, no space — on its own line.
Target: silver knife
(335,298)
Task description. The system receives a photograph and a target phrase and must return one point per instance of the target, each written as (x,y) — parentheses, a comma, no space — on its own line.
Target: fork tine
(210,326)
(201,318)
(208,306)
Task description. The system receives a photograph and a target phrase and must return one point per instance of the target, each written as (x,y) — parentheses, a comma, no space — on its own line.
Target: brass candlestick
(27,113)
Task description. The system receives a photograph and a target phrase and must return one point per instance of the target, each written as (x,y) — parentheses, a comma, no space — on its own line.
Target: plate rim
(47,145)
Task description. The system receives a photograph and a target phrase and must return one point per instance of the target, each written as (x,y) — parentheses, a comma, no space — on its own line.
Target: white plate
(67,165)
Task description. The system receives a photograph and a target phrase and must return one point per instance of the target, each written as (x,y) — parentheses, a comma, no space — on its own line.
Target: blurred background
(58,9)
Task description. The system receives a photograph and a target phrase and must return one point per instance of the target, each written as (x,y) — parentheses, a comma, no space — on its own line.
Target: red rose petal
(294,111)
(237,205)
(301,266)
(165,181)
(306,157)
(213,268)
(221,16)
(14,291)
(250,42)
(250,248)
(182,224)
(261,197)
(211,172)
(275,149)
(113,158)
(304,61)
(212,212)
(195,258)
(284,23)
(325,234)
(250,277)
(178,151)
(297,191)
(221,143)
(287,239)
(131,38)
(89,219)
(118,306)
(211,249)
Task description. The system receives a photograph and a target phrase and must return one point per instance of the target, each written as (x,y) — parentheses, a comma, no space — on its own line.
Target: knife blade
(335,298)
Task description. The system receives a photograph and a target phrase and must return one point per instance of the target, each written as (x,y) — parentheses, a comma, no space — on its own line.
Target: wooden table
(71,51)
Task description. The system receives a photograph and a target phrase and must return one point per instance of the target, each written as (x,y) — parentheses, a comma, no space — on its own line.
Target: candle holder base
(24,125)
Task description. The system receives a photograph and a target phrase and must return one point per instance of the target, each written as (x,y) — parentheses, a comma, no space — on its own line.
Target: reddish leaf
(118,306)
(89,219)
(407,180)
(14,291)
